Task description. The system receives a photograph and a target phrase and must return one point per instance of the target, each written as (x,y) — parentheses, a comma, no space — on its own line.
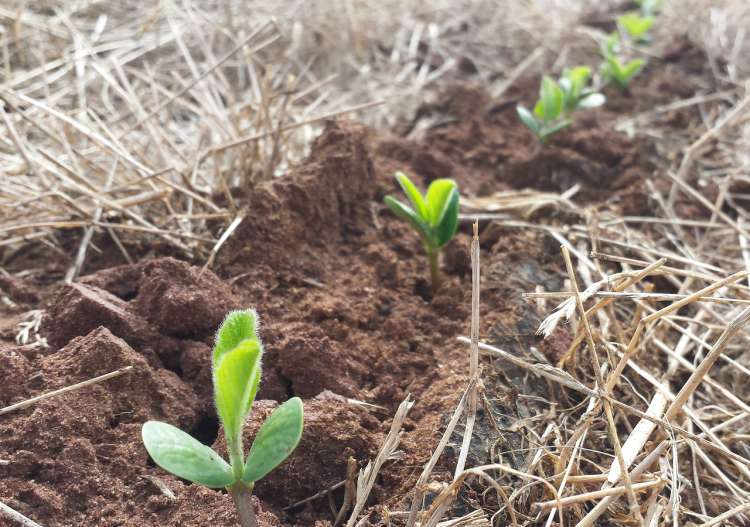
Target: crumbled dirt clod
(182,300)
(77,309)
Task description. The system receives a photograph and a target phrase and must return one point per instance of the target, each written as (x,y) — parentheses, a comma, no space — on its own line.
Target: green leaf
(449,225)
(276,439)
(551,98)
(592,100)
(632,68)
(236,378)
(548,131)
(635,25)
(438,196)
(528,119)
(413,193)
(573,83)
(184,456)
(237,326)
(405,213)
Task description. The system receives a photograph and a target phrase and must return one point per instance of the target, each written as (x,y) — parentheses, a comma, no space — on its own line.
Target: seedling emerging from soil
(434,216)
(635,26)
(236,365)
(614,69)
(557,102)
(577,95)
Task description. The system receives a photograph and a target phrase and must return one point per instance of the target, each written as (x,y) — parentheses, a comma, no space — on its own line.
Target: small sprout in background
(635,26)
(434,216)
(557,102)
(236,365)
(577,95)
(614,69)
(548,116)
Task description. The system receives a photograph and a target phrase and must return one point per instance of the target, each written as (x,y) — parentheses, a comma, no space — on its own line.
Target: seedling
(236,366)
(635,26)
(577,95)
(548,116)
(614,69)
(434,216)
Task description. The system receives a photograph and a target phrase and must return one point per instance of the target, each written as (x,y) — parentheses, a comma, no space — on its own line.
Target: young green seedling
(577,95)
(434,216)
(236,366)
(614,69)
(549,114)
(635,26)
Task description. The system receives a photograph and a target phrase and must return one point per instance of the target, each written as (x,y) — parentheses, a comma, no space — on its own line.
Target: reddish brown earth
(341,289)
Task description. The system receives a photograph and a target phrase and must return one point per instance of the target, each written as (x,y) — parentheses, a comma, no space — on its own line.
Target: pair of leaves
(236,365)
(186,457)
(635,25)
(621,74)
(435,215)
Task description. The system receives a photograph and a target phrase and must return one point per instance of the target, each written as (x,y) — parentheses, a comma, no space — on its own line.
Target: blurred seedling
(557,102)
(434,216)
(635,26)
(236,366)
(616,70)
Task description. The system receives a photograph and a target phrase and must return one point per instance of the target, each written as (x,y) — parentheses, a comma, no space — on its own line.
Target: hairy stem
(236,457)
(241,494)
(432,255)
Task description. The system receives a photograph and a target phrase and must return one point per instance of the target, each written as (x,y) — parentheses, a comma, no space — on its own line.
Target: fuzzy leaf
(276,439)
(438,195)
(413,193)
(237,326)
(406,213)
(184,456)
(236,378)
(528,119)
(449,224)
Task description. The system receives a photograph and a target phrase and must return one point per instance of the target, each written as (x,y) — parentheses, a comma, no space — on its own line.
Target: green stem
(236,457)
(432,255)
(241,494)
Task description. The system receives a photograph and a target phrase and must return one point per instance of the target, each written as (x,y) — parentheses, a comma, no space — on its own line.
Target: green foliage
(434,216)
(635,25)
(557,102)
(576,92)
(236,362)
(614,69)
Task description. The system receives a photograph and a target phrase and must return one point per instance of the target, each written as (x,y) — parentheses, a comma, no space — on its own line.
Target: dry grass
(142,123)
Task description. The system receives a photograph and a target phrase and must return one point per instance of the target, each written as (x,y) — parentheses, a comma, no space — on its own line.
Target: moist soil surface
(346,316)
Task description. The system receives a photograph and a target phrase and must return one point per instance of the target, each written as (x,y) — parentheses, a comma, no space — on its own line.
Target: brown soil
(345,311)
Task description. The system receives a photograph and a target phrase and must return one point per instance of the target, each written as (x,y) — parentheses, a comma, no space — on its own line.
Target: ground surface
(345,311)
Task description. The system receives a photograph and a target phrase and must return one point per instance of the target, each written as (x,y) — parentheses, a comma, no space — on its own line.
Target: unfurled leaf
(550,103)
(413,193)
(276,439)
(528,119)
(405,213)
(236,378)
(449,224)
(632,68)
(237,326)
(438,195)
(184,456)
